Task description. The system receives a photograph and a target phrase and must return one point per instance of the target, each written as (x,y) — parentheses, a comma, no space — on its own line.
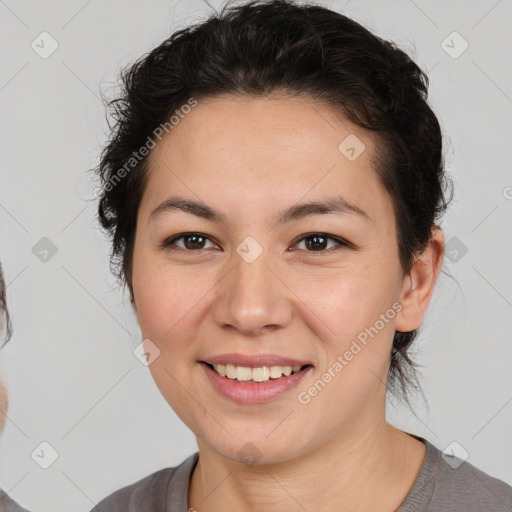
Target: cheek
(357,309)
(348,302)
(168,303)
(165,297)
(356,306)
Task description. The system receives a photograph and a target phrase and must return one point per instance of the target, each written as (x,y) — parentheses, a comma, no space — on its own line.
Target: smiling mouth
(256,375)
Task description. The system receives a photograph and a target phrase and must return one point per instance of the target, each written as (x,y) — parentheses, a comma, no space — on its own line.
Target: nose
(252,298)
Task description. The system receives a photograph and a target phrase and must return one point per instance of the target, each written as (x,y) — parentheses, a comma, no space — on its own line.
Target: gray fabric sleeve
(7,504)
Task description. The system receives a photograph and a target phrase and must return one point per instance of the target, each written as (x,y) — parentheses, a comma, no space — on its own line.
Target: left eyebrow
(336,205)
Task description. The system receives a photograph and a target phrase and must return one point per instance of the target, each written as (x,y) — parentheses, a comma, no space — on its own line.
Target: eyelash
(170,242)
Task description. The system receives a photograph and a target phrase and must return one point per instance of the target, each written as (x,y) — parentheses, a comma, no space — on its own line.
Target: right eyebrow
(197,208)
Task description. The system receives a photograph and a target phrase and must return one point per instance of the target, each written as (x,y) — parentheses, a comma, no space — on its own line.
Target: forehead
(276,125)
(265,151)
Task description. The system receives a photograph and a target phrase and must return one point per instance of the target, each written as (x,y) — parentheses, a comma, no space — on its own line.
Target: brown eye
(319,242)
(189,241)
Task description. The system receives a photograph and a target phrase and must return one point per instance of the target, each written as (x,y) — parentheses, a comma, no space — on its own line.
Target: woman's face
(249,290)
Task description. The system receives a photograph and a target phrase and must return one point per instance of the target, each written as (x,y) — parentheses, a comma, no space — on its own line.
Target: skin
(250,159)
(3,405)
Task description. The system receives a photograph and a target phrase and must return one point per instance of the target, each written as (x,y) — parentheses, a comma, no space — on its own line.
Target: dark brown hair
(6,321)
(263,47)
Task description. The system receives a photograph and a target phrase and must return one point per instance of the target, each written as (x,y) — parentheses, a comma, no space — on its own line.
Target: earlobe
(418,287)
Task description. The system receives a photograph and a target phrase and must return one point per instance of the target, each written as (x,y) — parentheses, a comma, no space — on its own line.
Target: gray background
(72,377)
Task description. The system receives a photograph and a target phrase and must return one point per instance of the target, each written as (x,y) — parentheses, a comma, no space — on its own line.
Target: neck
(370,468)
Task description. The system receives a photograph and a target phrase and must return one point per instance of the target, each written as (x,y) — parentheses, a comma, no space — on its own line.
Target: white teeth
(230,371)
(243,373)
(276,371)
(260,374)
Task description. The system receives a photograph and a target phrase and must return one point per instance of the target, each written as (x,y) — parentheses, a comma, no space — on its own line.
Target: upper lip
(254,361)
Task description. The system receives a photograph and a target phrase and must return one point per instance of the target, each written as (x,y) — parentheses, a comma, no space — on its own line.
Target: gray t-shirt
(9,505)
(439,487)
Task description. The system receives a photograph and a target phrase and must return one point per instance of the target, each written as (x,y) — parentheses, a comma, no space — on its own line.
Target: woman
(272,187)
(6,503)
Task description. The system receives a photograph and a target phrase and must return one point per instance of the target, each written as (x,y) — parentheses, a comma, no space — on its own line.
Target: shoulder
(143,494)
(153,493)
(9,505)
(461,486)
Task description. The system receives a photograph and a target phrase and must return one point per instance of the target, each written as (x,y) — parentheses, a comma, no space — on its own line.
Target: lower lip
(261,392)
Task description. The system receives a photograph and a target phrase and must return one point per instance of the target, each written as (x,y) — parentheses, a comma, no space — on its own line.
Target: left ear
(418,286)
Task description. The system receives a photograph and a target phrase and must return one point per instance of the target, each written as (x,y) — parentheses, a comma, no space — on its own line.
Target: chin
(257,449)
